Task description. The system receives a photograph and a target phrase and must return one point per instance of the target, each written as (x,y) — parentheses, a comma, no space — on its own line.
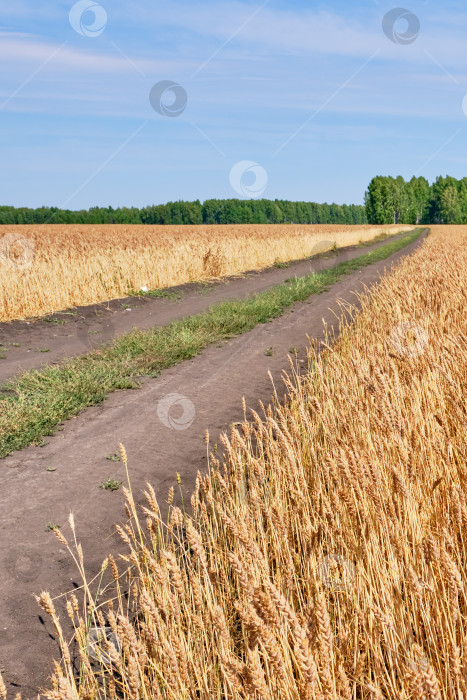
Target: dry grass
(327,557)
(48,268)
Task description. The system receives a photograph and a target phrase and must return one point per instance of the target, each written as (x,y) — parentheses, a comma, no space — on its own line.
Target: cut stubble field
(47,268)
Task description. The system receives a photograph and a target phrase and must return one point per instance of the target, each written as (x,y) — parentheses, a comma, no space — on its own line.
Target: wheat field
(44,269)
(325,556)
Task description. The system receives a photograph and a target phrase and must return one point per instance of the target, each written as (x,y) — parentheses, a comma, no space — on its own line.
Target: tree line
(388,200)
(212,211)
(395,200)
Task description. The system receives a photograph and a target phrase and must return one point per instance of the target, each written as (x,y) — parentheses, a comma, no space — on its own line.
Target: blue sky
(315,93)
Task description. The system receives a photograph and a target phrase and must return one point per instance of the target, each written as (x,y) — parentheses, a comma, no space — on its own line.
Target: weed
(111,484)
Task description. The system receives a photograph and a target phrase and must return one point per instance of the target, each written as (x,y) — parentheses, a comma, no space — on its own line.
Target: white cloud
(300,31)
(18,49)
(293,57)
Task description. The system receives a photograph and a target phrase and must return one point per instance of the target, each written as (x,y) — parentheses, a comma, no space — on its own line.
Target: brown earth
(159,444)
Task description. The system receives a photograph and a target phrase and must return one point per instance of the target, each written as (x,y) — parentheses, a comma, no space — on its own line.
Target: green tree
(450,207)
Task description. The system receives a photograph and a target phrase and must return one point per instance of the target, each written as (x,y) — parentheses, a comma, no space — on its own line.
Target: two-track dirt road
(159,443)
(74,332)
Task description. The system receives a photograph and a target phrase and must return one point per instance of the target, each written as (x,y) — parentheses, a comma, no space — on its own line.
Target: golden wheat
(326,556)
(50,268)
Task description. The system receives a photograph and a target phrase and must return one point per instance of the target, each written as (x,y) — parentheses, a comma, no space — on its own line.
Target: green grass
(158,294)
(36,402)
(54,321)
(110,484)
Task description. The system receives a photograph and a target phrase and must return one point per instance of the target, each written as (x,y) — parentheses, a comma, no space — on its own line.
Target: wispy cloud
(20,49)
(306,31)
(271,70)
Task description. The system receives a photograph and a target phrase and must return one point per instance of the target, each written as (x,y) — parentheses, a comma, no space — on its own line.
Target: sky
(137,102)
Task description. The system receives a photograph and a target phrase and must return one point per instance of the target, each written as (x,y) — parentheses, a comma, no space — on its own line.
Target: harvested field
(326,558)
(50,268)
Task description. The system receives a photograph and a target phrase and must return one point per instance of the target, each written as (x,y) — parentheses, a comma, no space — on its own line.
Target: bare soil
(41,485)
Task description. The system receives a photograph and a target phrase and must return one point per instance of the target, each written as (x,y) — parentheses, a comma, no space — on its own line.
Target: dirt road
(41,485)
(33,343)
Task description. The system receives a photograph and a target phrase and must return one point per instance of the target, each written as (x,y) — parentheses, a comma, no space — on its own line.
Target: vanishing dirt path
(32,495)
(32,344)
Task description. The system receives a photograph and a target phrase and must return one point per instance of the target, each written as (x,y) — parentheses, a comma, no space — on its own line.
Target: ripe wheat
(50,268)
(326,557)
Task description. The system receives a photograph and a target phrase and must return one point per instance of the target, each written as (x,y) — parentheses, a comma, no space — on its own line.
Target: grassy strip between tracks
(34,404)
